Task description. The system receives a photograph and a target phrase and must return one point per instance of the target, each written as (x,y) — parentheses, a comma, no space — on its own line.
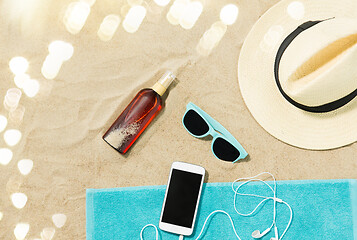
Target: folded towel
(323,210)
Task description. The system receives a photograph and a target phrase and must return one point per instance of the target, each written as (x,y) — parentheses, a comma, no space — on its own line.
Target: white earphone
(256,234)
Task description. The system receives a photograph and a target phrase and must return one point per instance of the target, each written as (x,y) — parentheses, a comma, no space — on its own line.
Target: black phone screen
(182,196)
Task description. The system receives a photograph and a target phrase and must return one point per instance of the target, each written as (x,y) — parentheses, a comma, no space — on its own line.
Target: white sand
(119,136)
(64,123)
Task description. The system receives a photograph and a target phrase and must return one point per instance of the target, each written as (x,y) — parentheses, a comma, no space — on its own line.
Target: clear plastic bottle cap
(164,82)
(167,79)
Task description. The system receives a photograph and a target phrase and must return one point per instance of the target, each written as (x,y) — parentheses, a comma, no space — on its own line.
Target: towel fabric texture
(323,210)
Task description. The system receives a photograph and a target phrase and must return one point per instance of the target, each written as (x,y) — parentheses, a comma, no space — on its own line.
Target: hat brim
(256,79)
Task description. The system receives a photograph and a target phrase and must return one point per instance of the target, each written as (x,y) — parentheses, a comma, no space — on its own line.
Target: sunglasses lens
(224,150)
(195,124)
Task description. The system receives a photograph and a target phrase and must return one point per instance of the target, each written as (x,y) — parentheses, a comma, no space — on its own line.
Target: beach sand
(63,124)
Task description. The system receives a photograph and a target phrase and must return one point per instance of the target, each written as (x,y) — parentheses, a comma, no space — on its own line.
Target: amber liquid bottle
(137,115)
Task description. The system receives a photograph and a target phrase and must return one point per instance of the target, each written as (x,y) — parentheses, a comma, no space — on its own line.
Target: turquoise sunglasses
(199,124)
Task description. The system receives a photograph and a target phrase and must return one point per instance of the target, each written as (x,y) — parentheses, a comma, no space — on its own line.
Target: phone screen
(182,196)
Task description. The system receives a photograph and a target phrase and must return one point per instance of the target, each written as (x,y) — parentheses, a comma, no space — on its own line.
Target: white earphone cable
(214,213)
(149,225)
(289,223)
(251,179)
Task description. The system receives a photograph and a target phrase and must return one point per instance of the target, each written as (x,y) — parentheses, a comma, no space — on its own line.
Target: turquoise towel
(323,210)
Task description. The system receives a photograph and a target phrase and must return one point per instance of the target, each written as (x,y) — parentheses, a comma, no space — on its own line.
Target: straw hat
(298,74)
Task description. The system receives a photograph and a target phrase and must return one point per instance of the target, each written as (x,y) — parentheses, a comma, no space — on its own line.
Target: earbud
(257,234)
(276,234)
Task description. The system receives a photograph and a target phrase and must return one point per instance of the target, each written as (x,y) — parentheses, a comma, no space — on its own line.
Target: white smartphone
(182,197)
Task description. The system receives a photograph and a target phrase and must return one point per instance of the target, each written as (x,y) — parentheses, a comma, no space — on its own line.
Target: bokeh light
(5,156)
(60,49)
(229,14)
(296,10)
(21,230)
(18,65)
(1,216)
(19,200)
(31,88)
(191,14)
(108,27)
(25,166)
(12,137)
(76,16)
(271,38)
(211,38)
(134,18)
(162,3)
(20,79)
(48,233)
(176,11)
(3,123)
(51,66)
(59,219)
(12,98)
(17,115)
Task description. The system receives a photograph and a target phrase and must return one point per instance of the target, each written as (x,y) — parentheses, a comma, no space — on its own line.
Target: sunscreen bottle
(137,115)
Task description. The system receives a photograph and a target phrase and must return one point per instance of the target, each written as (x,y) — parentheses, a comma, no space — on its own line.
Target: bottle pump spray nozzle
(164,82)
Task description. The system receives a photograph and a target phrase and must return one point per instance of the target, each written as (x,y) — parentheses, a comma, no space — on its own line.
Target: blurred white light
(3,123)
(296,10)
(162,3)
(31,88)
(20,79)
(12,137)
(89,2)
(229,14)
(25,166)
(21,230)
(62,50)
(48,233)
(273,35)
(19,200)
(59,219)
(14,92)
(108,27)
(18,65)
(12,98)
(59,51)
(76,16)
(51,66)
(17,115)
(134,18)
(211,38)
(271,38)
(191,14)
(1,215)
(176,11)
(5,156)
(171,19)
